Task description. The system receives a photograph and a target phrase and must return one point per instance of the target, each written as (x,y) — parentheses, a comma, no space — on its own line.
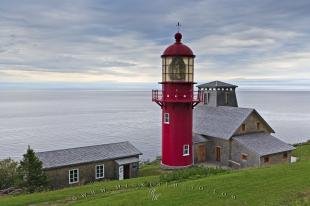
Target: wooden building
(76,166)
(228,135)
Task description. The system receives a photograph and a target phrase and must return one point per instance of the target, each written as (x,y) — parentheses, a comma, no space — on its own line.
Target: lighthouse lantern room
(177,100)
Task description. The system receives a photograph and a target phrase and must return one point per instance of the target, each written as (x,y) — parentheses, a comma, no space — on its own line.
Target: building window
(243,127)
(166,118)
(244,156)
(258,126)
(285,155)
(99,171)
(135,165)
(266,159)
(226,97)
(185,150)
(73,176)
(207,98)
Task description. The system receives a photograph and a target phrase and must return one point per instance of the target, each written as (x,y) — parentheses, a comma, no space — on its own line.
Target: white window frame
(186,150)
(96,172)
(77,176)
(166,118)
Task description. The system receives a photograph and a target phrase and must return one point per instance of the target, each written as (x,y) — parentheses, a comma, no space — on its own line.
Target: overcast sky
(258,44)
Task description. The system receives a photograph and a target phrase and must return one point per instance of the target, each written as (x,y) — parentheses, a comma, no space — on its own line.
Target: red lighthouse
(177,101)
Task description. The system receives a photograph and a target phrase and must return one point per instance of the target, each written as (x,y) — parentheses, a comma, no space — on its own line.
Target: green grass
(285,184)
(151,169)
(302,151)
(194,172)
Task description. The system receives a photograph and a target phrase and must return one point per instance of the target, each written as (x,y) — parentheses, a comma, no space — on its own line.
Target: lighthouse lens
(177,69)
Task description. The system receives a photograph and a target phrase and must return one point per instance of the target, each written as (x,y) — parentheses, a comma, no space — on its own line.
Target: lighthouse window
(177,68)
(166,118)
(185,150)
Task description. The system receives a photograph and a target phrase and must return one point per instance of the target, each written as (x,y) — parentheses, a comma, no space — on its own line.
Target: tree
(31,172)
(8,173)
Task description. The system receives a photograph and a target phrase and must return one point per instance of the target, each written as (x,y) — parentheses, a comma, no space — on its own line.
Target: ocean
(58,119)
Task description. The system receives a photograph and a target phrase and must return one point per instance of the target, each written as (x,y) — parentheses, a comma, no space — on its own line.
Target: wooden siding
(237,151)
(251,125)
(275,159)
(198,153)
(59,177)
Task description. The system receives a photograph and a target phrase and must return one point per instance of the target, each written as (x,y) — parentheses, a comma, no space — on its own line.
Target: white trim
(166,118)
(96,174)
(184,149)
(78,176)
(121,172)
(234,162)
(164,166)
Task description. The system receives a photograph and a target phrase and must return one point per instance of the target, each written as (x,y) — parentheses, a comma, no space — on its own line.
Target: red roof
(178,49)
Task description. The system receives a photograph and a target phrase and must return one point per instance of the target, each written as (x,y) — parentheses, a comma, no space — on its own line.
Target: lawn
(287,184)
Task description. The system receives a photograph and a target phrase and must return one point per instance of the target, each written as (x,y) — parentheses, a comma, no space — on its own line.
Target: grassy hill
(287,184)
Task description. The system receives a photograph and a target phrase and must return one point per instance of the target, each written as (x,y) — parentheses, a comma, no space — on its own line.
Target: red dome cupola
(178,49)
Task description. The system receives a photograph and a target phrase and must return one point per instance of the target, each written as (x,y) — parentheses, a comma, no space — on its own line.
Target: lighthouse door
(121,172)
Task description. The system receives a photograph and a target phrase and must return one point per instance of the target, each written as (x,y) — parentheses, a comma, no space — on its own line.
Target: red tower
(177,100)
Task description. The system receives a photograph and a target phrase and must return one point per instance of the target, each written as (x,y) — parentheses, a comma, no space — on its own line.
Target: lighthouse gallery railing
(157,96)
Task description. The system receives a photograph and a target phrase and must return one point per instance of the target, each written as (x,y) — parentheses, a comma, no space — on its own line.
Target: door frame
(120,172)
(127,171)
(218,153)
(204,158)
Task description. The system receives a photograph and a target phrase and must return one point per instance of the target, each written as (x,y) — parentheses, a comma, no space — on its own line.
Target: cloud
(103,41)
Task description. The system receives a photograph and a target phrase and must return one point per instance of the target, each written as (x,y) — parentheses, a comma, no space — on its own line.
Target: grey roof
(217,84)
(127,160)
(222,121)
(263,143)
(198,138)
(79,155)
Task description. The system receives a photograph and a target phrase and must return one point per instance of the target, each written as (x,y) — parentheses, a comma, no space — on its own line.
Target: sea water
(58,119)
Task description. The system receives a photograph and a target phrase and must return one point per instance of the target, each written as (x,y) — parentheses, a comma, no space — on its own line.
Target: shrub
(8,173)
(190,173)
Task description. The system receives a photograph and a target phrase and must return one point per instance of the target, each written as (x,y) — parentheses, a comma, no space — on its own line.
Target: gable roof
(263,143)
(222,121)
(217,84)
(198,138)
(79,155)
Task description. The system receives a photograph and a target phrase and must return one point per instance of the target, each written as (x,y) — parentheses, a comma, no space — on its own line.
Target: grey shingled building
(75,166)
(232,136)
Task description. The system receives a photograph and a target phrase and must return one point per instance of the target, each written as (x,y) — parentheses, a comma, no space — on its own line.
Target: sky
(257,44)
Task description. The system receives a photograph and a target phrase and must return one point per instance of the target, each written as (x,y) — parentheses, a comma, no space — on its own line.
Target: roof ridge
(82,147)
(216,83)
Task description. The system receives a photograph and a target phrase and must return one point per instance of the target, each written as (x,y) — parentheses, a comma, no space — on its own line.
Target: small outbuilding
(76,166)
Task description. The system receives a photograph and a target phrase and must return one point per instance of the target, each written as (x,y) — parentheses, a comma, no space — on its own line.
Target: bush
(8,173)
(194,172)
